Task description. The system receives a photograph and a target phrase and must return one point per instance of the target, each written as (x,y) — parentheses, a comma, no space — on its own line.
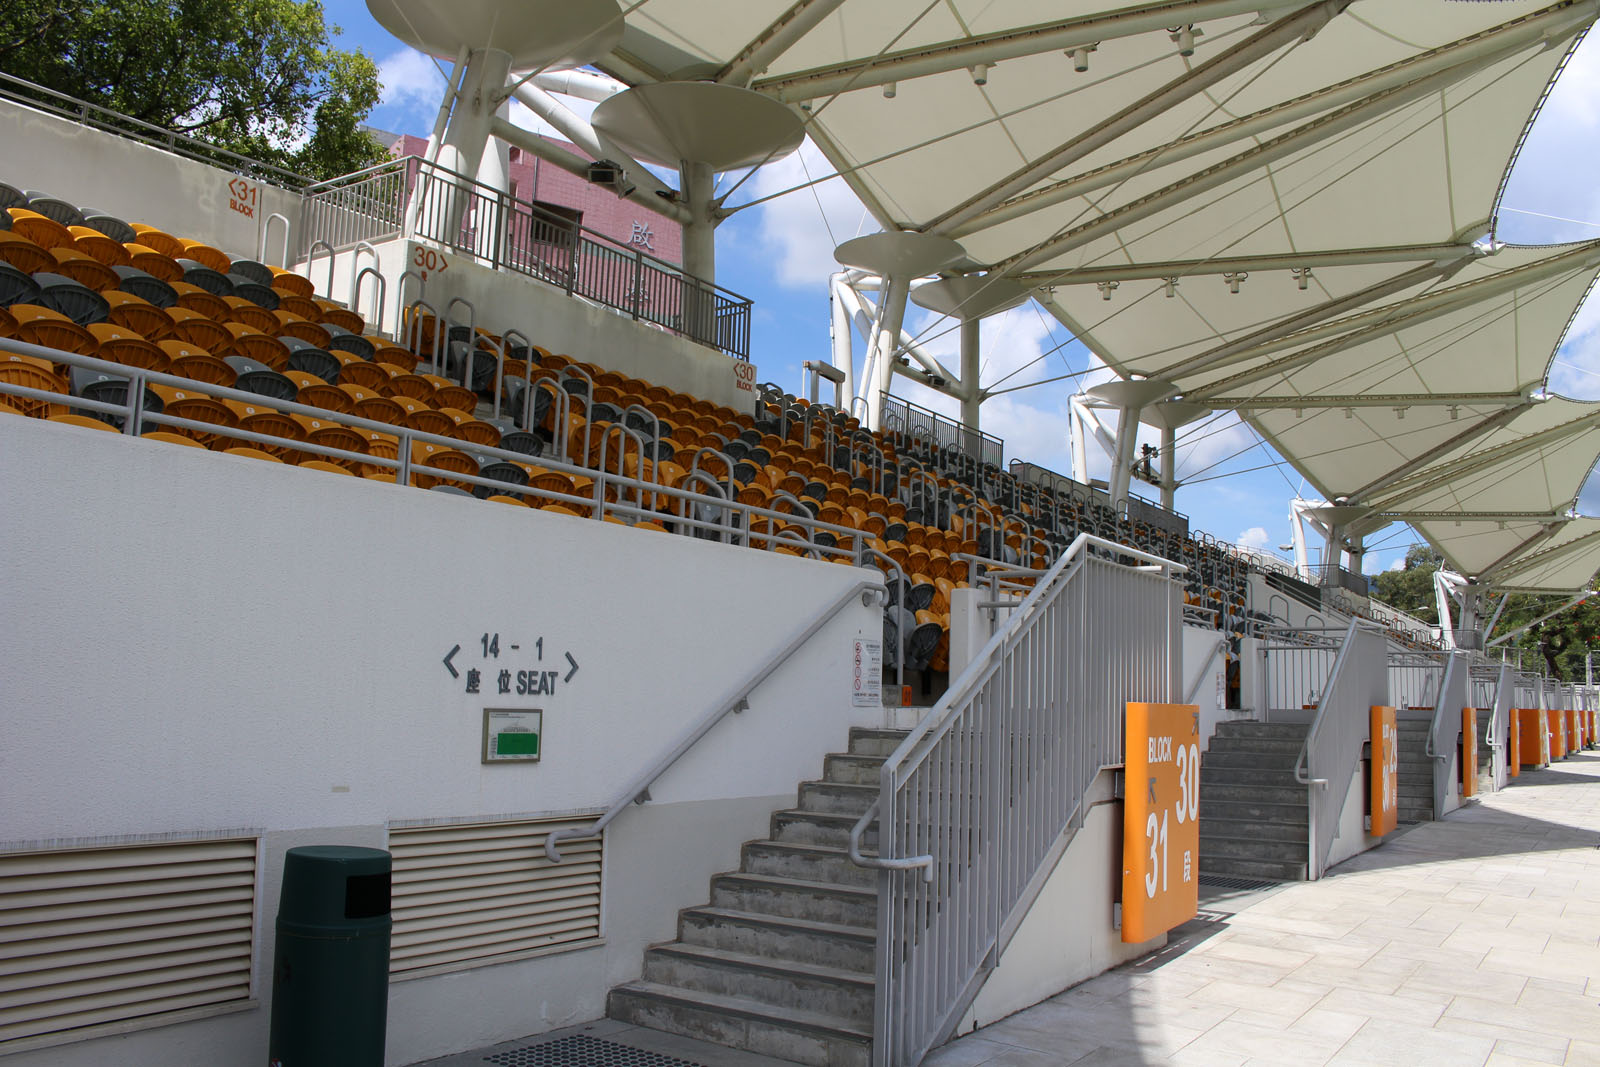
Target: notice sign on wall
(1385,787)
(866,673)
(1469,751)
(1160,820)
(512,735)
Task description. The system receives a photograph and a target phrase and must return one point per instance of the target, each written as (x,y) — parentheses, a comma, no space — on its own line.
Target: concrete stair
(1253,814)
(781,961)
(1415,800)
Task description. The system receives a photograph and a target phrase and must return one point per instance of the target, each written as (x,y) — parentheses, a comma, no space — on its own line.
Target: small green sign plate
(512,735)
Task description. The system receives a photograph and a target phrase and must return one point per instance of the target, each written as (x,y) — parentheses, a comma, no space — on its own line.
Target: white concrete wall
(1067,936)
(199,642)
(1364,683)
(139,183)
(1206,676)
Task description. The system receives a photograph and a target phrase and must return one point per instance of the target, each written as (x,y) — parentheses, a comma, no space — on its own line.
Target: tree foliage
(257,77)
(1558,645)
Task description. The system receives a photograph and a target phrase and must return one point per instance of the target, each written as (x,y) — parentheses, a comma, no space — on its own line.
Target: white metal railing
(1294,669)
(1446,726)
(1500,722)
(975,804)
(1332,748)
(1416,678)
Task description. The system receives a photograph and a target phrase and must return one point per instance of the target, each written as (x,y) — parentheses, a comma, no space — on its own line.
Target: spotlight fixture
(1080,57)
(1455,412)
(1235,279)
(1349,413)
(1107,288)
(1302,277)
(1400,414)
(890,89)
(1183,37)
(980,73)
(1171,286)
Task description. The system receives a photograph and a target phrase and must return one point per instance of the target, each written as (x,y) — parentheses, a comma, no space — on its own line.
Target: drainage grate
(579,1050)
(1217,882)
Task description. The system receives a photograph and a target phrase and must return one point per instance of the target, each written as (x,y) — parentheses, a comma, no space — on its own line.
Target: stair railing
(1446,725)
(1330,752)
(737,699)
(980,799)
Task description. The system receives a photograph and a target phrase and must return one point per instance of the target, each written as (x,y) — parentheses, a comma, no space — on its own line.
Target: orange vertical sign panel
(1530,736)
(1469,751)
(1558,735)
(1385,772)
(1160,820)
(1514,748)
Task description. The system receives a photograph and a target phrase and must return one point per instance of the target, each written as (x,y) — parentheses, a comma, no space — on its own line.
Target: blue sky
(780,254)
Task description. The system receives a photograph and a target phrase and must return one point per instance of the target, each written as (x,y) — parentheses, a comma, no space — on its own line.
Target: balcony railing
(414,198)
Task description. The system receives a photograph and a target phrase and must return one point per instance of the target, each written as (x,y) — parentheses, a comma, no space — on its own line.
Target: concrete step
(848,905)
(1226,776)
(1414,812)
(820,828)
(1288,747)
(737,1022)
(823,989)
(804,863)
(1283,760)
(1217,792)
(1252,829)
(1277,730)
(1416,791)
(851,768)
(866,741)
(1291,814)
(1253,848)
(841,797)
(1270,870)
(850,948)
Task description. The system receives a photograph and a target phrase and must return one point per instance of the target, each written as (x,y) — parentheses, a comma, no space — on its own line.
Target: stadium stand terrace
(306,502)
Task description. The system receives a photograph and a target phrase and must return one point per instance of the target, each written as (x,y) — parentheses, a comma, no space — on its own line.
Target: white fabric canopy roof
(1338,163)
(1565,562)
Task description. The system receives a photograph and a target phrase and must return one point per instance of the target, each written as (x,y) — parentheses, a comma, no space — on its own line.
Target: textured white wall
(202,642)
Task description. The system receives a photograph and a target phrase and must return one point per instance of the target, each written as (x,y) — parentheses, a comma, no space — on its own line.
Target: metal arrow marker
(574,669)
(448,656)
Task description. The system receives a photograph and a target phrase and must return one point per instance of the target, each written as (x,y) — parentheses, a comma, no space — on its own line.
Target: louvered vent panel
(467,895)
(102,935)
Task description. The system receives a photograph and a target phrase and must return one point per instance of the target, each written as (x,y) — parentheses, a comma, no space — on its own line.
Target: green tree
(1560,643)
(1411,588)
(257,77)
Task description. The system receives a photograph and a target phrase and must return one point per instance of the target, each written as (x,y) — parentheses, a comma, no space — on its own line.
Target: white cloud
(801,236)
(1398,564)
(410,82)
(1256,537)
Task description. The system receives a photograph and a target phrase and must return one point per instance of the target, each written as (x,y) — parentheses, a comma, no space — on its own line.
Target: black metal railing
(917,421)
(415,198)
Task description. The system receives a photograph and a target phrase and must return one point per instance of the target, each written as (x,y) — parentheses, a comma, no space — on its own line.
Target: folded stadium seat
(52,207)
(258,318)
(416,386)
(249,452)
(379,445)
(258,418)
(307,358)
(336,314)
(198,329)
(194,362)
(528,444)
(198,274)
(73,299)
(84,269)
(107,224)
(23,253)
(330,434)
(8,323)
(146,286)
(380,409)
(352,370)
(43,231)
(205,255)
(304,330)
(168,437)
(472,430)
(342,339)
(320,394)
(83,421)
(324,466)
(287,281)
(44,326)
(33,373)
(197,407)
(254,378)
(201,301)
(396,355)
(256,346)
(428,420)
(501,471)
(136,314)
(251,269)
(148,260)
(122,345)
(17,287)
(446,394)
(158,239)
(10,197)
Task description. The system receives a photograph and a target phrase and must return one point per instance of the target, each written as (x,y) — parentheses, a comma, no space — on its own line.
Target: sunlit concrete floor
(1466,942)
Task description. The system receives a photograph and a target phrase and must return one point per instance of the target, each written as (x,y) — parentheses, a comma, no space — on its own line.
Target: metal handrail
(987,806)
(738,699)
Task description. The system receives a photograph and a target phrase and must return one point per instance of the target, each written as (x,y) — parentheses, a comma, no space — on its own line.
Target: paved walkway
(1470,942)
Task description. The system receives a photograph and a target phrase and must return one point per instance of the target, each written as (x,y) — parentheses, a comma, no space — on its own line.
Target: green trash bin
(330,972)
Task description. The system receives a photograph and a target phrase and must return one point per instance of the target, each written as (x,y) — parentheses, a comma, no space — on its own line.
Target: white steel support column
(1122,459)
(891,314)
(971,395)
(1169,466)
(699,248)
(843,336)
(467,135)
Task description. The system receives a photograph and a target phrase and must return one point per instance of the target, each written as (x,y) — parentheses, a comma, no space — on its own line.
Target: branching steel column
(1263,43)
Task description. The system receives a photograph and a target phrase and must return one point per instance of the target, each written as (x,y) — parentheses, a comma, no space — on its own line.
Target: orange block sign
(1514,748)
(1530,737)
(1385,772)
(1558,734)
(1469,751)
(1160,820)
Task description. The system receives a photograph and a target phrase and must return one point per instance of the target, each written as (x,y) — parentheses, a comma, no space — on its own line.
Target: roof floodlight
(980,73)
(1302,276)
(1171,286)
(1106,289)
(1455,412)
(1349,413)
(890,89)
(1183,36)
(1400,414)
(1234,280)
(1080,57)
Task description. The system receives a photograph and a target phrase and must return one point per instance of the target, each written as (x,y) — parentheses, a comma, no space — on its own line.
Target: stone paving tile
(1388,1043)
